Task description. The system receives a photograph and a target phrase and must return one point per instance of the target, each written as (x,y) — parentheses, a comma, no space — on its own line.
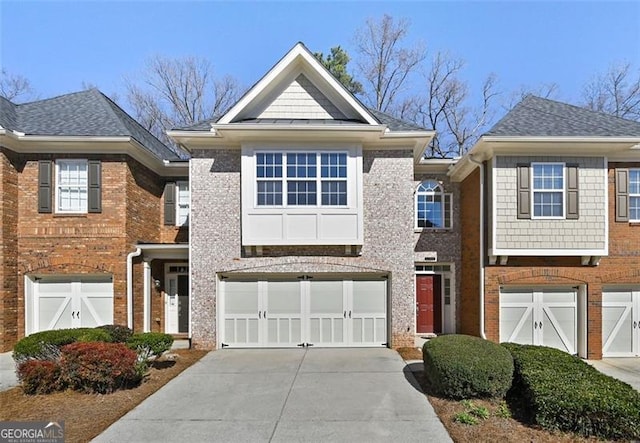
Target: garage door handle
(345,314)
(349,314)
(635,324)
(264,314)
(259,314)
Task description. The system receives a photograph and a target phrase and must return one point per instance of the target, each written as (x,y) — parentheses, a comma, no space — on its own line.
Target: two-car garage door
(294,312)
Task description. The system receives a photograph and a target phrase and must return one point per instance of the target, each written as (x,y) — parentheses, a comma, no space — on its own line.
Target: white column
(146,324)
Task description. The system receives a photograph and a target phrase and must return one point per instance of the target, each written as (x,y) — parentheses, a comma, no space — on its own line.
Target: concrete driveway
(8,378)
(282,395)
(625,369)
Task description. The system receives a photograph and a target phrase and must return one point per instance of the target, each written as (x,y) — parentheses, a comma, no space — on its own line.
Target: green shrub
(118,333)
(462,366)
(39,376)
(96,367)
(150,344)
(560,391)
(40,345)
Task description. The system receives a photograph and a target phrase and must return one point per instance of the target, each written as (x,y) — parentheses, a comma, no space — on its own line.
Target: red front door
(428,304)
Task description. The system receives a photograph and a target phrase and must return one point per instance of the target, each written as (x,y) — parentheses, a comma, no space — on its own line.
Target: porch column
(146,289)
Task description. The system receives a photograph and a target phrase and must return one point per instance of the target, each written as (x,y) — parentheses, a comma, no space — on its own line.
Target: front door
(177,304)
(428,304)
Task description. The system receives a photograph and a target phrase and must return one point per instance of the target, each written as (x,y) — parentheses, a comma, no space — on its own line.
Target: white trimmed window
(634,195)
(301,179)
(433,206)
(182,203)
(72,181)
(547,185)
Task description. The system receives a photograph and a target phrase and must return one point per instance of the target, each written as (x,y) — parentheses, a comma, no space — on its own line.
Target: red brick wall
(470,227)
(8,249)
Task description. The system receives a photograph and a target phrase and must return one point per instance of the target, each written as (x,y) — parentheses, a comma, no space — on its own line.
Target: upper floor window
(182,203)
(634,195)
(548,190)
(432,206)
(301,179)
(72,180)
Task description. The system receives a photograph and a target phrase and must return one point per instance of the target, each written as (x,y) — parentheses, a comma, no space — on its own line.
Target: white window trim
(444,195)
(284,179)
(564,191)
(188,202)
(637,195)
(57,185)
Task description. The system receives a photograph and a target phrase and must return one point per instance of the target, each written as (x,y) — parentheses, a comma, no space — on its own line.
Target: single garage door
(63,302)
(286,313)
(540,316)
(621,322)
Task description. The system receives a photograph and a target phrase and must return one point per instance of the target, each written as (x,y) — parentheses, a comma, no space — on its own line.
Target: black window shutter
(572,192)
(524,192)
(44,186)
(95,185)
(170,204)
(622,195)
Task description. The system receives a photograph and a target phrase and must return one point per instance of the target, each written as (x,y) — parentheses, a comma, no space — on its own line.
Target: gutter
(130,256)
(481,288)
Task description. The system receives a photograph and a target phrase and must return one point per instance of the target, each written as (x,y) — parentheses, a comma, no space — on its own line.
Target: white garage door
(63,302)
(621,322)
(547,317)
(285,313)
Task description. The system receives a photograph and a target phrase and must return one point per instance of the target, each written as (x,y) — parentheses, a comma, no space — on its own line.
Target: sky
(60,45)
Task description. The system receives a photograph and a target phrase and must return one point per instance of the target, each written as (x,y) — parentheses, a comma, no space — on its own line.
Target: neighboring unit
(551,216)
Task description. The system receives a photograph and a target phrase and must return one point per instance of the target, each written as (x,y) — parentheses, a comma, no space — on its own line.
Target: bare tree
(15,87)
(544,90)
(616,92)
(445,106)
(178,92)
(384,62)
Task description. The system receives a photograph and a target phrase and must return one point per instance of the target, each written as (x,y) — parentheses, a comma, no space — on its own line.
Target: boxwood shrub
(43,345)
(99,367)
(150,344)
(462,366)
(560,391)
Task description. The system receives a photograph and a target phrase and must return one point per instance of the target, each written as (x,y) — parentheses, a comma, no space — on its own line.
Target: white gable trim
(299,54)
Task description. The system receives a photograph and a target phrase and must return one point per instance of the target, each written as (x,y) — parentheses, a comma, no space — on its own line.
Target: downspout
(130,256)
(482,257)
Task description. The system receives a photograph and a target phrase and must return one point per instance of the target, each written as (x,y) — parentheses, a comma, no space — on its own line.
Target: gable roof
(541,117)
(87,113)
(299,60)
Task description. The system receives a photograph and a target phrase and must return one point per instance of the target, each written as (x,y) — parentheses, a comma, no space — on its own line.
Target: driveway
(8,377)
(625,369)
(282,395)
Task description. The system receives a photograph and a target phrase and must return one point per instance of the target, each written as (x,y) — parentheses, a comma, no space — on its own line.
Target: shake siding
(587,232)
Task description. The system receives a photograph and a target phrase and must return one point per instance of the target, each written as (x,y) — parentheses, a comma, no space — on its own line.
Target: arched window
(433,206)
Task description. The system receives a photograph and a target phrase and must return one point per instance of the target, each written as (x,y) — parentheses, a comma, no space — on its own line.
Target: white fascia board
(557,139)
(549,252)
(164,251)
(297,54)
(420,139)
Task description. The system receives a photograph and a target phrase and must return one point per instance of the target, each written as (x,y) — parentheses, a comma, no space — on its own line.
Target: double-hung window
(291,179)
(72,186)
(634,195)
(433,206)
(548,190)
(182,203)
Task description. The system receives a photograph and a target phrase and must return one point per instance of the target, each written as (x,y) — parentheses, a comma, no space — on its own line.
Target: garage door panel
(516,324)
(96,311)
(54,313)
(559,328)
(620,310)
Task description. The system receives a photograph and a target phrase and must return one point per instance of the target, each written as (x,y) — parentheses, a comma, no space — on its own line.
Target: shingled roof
(541,117)
(394,124)
(85,113)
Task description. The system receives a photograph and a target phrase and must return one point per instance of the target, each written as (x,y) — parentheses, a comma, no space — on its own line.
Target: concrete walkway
(283,395)
(8,377)
(625,369)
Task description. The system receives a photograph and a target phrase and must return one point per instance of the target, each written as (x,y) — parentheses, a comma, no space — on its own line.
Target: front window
(433,206)
(310,179)
(634,195)
(548,190)
(182,193)
(71,186)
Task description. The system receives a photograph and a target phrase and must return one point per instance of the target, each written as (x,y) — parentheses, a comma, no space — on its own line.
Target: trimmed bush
(39,345)
(150,344)
(462,366)
(39,376)
(118,333)
(560,391)
(99,367)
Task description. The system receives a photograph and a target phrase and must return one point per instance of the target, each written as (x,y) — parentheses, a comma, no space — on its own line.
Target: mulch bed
(87,415)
